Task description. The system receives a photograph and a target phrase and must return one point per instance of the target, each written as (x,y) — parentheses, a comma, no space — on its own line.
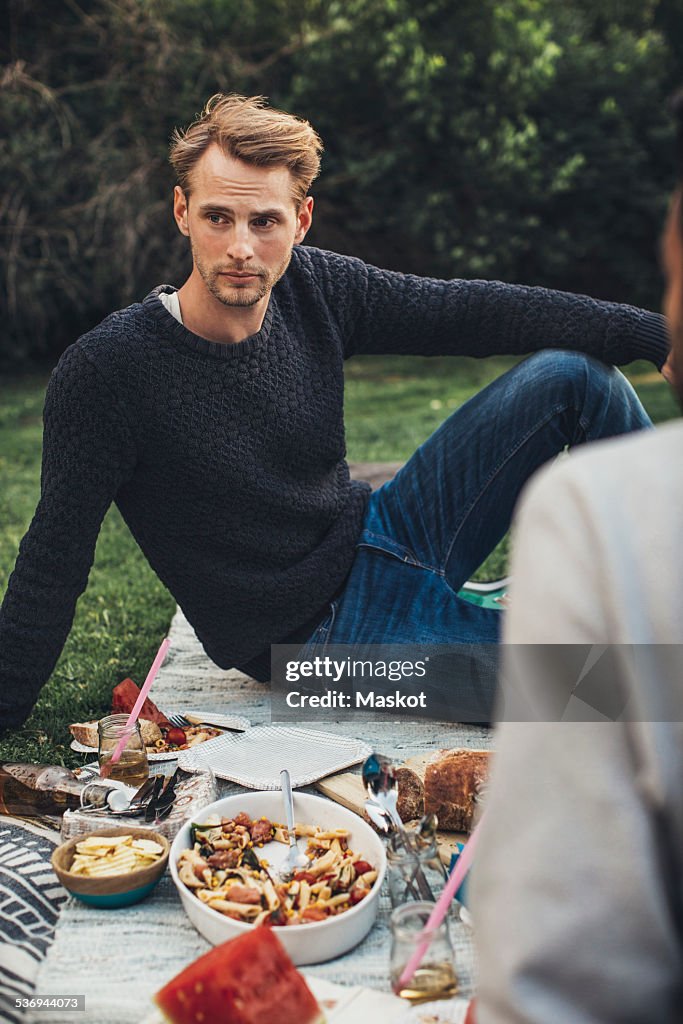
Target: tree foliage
(521,139)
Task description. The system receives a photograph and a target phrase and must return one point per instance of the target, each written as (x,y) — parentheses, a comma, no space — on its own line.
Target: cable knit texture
(228,461)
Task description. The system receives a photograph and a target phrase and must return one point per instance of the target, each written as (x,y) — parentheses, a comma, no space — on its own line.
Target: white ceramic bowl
(306,943)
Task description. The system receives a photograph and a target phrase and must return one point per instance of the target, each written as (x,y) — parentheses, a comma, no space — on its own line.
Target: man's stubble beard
(240,297)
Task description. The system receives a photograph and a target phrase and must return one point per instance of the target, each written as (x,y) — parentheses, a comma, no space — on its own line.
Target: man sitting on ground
(212,416)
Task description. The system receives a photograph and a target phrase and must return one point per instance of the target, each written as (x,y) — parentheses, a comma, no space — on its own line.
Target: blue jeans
(427,530)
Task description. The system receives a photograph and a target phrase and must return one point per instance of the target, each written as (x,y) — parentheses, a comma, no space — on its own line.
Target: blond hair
(247,129)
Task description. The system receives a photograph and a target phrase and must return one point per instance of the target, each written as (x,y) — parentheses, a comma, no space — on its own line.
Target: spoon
(113,798)
(381,786)
(427,827)
(380,782)
(295,860)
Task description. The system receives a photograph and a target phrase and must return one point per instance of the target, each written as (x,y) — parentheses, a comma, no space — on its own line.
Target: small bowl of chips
(113,867)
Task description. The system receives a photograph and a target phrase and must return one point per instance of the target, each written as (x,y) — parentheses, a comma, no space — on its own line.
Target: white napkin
(345,1004)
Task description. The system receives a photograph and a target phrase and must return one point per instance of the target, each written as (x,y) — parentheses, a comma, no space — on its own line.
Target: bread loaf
(411,794)
(150,732)
(453,779)
(87,734)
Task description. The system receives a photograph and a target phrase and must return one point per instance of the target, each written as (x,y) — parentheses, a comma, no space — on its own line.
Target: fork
(179,721)
(183,722)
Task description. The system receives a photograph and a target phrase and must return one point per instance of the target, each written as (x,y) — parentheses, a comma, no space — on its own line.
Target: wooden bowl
(113,890)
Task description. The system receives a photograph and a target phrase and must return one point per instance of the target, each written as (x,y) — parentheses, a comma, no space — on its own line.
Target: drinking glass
(404,860)
(132,767)
(435,978)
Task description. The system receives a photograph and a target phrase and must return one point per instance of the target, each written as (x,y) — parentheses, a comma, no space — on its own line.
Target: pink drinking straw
(441,906)
(137,707)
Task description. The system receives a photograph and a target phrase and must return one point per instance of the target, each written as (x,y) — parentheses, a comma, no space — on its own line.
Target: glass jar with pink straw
(132,766)
(127,728)
(401,983)
(435,977)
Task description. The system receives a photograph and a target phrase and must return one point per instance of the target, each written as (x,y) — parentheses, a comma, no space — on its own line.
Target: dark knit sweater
(227,460)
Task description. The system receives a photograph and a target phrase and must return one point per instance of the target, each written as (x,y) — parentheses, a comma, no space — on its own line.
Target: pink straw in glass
(441,906)
(137,707)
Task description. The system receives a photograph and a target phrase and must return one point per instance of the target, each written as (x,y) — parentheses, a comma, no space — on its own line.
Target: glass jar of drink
(414,869)
(435,978)
(132,767)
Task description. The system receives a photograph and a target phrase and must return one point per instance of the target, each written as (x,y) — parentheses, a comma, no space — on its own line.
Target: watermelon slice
(248,980)
(123,698)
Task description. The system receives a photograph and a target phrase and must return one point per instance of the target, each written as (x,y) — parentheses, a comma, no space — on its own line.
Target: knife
(167,794)
(144,790)
(163,814)
(206,720)
(150,810)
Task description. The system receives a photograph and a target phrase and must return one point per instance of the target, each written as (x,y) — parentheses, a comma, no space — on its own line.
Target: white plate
(236,722)
(310,943)
(168,755)
(444,1011)
(256,757)
(341,1004)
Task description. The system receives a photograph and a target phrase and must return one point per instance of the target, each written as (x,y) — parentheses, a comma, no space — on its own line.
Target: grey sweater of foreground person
(227,462)
(577,891)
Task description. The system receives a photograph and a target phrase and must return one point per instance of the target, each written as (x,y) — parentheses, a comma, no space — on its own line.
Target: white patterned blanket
(119,958)
(30,900)
(119,967)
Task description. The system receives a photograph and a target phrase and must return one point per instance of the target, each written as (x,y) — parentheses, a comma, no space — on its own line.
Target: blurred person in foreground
(578,886)
(212,415)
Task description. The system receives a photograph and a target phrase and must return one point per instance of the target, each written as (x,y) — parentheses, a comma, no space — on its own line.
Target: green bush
(521,139)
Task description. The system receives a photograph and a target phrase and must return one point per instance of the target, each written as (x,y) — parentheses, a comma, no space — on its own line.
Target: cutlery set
(381,806)
(153,800)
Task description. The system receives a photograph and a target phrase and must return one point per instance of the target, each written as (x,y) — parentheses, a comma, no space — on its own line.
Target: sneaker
(486,595)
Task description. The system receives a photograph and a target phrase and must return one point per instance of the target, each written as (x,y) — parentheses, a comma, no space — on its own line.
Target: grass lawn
(392,406)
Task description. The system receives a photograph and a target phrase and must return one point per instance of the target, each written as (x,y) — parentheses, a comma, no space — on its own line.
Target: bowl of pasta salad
(228,866)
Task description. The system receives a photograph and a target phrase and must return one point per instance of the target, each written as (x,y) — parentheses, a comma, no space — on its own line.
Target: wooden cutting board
(346,788)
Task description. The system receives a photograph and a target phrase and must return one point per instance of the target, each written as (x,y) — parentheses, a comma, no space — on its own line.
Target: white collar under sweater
(172,303)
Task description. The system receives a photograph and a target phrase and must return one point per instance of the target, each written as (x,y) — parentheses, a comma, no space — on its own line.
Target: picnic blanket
(30,901)
(119,967)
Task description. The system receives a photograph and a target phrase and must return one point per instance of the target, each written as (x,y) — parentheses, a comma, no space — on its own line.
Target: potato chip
(105,842)
(148,846)
(101,856)
(118,865)
(121,853)
(80,865)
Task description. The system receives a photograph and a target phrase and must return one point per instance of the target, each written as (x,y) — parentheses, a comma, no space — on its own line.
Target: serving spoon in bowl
(295,859)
